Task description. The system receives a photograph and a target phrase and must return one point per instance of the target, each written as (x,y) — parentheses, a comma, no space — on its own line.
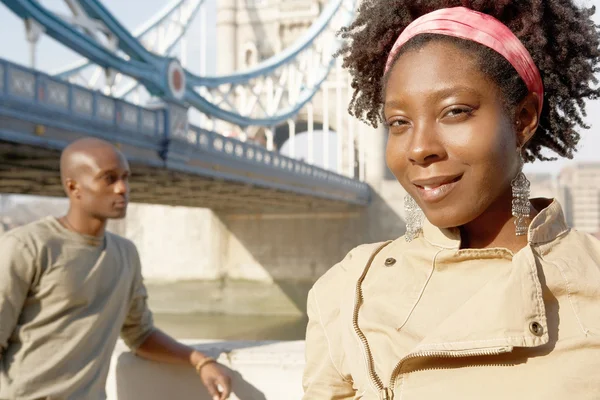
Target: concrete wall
(260,371)
(176,243)
(245,264)
(255,263)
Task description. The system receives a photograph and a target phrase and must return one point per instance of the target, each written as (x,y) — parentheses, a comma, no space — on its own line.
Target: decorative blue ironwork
(148,74)
(40,94)
(153,71)
(34,97)
(160,18)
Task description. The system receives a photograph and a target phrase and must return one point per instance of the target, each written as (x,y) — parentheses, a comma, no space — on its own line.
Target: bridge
(279,182)
(131,89)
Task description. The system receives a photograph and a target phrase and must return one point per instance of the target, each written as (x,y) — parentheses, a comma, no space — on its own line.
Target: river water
(231,327)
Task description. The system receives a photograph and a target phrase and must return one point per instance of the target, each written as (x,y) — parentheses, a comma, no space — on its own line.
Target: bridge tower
(249,31)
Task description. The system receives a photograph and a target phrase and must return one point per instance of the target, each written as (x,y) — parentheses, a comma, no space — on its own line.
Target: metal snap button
(536,328)
(390,261)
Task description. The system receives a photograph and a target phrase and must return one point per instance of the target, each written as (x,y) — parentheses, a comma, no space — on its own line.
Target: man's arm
(163,348)
(17,271)
(140,335)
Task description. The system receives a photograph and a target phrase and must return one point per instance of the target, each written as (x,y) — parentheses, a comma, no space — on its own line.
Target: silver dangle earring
(414,218)
(520,203)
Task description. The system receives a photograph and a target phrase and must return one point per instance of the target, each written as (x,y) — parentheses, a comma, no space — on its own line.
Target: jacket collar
(548,225)
(513,307)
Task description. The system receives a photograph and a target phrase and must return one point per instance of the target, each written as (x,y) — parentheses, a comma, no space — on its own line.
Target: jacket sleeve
(322,378)
(17,272)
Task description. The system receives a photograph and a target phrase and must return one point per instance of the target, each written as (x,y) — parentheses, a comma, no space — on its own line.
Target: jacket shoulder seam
(327,338)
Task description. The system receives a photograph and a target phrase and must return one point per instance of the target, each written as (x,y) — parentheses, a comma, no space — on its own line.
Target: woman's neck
(495,227)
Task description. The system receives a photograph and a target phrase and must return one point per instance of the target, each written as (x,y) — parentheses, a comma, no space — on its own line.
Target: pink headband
(484,29)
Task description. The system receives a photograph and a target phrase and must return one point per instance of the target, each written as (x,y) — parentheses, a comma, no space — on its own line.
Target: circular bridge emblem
(176,79)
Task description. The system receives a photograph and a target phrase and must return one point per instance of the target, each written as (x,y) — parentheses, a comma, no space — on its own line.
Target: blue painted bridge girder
(41,112)
(151,70)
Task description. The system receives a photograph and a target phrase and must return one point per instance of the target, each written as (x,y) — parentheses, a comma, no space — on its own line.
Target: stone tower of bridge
(254,30)
(250,31)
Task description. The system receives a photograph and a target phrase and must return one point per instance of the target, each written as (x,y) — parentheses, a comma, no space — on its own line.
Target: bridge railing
(257,156)
(31,99)
(25,88)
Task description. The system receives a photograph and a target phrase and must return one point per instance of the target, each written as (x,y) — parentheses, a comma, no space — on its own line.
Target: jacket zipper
(358,300)
(386,393)
(446,354)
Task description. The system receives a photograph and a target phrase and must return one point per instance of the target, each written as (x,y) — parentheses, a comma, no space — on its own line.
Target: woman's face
(451,144)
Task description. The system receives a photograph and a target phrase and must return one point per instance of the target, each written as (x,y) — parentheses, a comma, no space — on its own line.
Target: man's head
(95,177)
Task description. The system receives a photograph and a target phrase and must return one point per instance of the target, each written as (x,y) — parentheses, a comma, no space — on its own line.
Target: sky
(52,55)
(131,13)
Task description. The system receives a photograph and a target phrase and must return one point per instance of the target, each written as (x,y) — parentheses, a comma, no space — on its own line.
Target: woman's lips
(434,189)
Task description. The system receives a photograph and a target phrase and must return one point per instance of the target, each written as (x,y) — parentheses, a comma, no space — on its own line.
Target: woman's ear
(527,118)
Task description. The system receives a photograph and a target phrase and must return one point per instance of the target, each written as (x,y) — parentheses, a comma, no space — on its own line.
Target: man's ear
(72,188)
(527,118)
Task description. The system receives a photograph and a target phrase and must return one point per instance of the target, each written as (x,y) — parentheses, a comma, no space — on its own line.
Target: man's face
(102,187)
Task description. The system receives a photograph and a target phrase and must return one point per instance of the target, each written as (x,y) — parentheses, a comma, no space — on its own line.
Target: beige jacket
(425,320)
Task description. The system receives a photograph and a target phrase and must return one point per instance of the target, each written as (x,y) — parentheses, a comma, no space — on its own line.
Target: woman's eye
(459,112)
(397,122)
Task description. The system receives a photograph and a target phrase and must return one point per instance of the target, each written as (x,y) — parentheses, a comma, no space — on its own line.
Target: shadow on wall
(296,250)
(260,370)
(174,382)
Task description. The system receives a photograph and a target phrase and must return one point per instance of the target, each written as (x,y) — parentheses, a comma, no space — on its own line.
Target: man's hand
(216,380)
(163,348)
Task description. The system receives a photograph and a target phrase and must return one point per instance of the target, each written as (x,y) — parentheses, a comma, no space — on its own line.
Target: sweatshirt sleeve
(17,271)
(139,323)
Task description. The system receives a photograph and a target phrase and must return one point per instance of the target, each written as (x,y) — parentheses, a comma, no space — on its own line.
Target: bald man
(69,289)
